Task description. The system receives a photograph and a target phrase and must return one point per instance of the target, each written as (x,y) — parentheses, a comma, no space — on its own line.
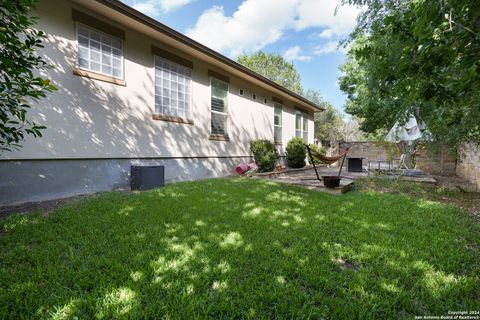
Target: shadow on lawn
(233,248)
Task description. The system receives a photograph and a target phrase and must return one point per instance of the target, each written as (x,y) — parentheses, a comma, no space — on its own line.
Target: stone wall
(468,166)
(368,150)
(440,163)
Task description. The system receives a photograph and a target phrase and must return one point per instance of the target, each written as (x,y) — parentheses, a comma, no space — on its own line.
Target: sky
(305,32)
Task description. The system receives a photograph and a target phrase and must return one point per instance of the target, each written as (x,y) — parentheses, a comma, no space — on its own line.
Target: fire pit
(331,181)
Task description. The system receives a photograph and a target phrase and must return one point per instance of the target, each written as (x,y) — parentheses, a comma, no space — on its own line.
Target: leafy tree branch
(20,84)
(408,56)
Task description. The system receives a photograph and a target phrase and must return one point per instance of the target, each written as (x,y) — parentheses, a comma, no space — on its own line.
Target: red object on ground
(252,165)
(242,168)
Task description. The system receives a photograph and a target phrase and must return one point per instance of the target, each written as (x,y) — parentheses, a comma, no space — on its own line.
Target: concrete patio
(306,177)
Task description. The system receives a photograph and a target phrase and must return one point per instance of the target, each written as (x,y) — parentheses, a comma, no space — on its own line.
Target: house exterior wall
(38,180)
(103,125)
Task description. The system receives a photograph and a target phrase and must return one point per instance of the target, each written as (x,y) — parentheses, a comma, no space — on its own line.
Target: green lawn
(450,194)
(236,248)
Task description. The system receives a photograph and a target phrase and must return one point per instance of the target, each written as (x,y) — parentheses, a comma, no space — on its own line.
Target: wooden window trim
(218,137)
(98,76)
(172,57)
(162,117)
(218,76)
(88,20)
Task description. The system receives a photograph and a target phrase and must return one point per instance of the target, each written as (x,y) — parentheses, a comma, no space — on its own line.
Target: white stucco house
(134,91)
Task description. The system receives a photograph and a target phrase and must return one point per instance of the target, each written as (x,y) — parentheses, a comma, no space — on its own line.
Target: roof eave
(152,23)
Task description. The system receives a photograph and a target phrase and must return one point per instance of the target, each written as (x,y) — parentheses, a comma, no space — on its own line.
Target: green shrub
(296,153)
(317,150)
(265,154)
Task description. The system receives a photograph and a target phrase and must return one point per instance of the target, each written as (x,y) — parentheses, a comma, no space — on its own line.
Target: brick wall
(437,163)
(468,166)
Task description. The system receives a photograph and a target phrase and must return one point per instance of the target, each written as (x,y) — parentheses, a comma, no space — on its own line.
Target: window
(265,101)
(241,92)
(254,96)
(277,123)
(301,125)
(305,127)
(298,123)
(172,89)
(99,52)
(219,107)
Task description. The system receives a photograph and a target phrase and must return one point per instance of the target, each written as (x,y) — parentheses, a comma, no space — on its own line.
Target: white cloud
(329,47)
(155,7)
(258,23)
(327,34)
(325,14)
(146,7)
(255,24)
(293,54)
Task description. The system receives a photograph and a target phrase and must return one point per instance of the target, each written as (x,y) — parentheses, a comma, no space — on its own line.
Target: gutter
(160,27)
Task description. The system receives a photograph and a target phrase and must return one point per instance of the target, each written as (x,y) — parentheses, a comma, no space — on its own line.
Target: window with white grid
(173,84)
(99,52)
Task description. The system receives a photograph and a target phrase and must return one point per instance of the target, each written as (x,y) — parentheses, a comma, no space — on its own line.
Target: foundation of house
(38,180)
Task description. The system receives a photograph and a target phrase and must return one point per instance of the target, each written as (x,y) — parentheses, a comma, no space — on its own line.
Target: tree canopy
(416,57)
(273,67)
(329,124)
(20,84)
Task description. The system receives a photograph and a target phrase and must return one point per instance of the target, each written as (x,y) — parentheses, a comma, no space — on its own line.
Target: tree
(329,124)
(351,131)
(273,67)
(416,57)
(20,84)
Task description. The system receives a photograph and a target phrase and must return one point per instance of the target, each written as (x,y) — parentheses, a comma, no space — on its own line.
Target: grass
(445,193)
(235,248)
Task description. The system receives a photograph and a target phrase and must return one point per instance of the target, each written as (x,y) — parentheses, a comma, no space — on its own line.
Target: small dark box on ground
(354,164)
(147,177)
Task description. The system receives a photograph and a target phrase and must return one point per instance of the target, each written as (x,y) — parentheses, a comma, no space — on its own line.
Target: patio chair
(399,167)
(401,162)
